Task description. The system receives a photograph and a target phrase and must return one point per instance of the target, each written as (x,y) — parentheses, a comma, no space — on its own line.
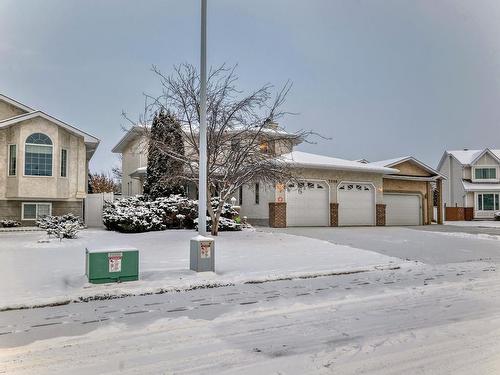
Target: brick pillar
(440,201)
(380,215)
(277,214)
(429,200)
(334,214)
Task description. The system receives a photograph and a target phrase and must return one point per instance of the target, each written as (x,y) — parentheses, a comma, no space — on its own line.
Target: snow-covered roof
(307,160)
(129,136)
(28,116)
(474,186)
(395,161)
(136,131)
(468,157)
(139,172)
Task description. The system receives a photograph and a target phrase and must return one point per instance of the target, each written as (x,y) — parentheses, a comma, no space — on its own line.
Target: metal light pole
(202,183)
(202,250)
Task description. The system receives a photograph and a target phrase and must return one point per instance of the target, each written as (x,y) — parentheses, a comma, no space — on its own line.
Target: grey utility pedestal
(202,254)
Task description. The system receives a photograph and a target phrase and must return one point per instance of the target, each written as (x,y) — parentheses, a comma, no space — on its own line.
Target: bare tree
(244,140)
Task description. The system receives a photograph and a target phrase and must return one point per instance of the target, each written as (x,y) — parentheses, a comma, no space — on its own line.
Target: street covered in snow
(282,310)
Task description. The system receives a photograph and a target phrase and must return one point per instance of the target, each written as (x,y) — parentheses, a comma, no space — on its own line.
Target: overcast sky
(382,78)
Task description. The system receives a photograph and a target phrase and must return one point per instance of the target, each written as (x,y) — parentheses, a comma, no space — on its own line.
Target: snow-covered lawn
(39,273)
(474,223)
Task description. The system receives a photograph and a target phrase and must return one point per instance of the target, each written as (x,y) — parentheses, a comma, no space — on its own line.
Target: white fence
(94,204)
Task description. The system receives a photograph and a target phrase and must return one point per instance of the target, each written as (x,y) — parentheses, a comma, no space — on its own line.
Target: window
(38,155)
(35,211)
(257,193)
(64,163)
(488,202)
(12,160)
(485,173)
(240,198)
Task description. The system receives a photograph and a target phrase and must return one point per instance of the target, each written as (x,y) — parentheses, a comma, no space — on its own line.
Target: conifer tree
(164,168)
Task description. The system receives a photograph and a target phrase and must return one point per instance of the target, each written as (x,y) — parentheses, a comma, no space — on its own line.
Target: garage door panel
(308,204)
(356,204)
(402,209)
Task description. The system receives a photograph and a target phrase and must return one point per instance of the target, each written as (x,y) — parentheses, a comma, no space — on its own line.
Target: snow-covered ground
(41,273)
(475,223)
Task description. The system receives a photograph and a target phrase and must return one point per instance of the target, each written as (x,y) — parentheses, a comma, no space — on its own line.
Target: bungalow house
(330,191)
(43,164)
(472,189)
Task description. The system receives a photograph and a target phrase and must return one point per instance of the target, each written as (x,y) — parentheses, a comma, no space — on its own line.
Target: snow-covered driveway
(433,244)
(35,273)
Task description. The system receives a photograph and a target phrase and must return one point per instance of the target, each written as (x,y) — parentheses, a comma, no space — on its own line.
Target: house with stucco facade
(43,164)
(329,191)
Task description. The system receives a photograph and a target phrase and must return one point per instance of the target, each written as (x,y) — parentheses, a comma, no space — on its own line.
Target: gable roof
(484,152)
(89,139)
(15,103)
(393,162)
(129,136)
(307,160)
(468,157)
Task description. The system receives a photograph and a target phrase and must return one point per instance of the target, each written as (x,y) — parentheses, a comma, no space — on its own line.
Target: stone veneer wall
(380,215)
(334,214)
(277,214)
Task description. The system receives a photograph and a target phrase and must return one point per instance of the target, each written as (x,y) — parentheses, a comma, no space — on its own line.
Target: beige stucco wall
(8,111)
(134,156)
(335,177)
(72,187)
(410,169)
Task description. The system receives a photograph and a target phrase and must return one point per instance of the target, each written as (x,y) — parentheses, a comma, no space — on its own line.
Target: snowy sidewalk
(43,273)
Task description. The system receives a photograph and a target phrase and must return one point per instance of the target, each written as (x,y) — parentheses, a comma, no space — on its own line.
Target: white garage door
(356,204)
(307,204)
(402,209)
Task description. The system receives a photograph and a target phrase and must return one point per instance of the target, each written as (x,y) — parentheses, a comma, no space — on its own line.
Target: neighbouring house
(472,188)
(330,191)
(43,164)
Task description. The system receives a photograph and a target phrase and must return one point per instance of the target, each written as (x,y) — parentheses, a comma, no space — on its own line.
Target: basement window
(36,211)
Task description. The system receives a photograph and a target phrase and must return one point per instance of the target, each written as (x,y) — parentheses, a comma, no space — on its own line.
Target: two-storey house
(330,191)
(472,188)
(43,164)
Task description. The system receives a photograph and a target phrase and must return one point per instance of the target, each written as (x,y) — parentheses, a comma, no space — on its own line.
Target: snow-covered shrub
(137,214)
(9,223)
(65,226)
(132,215)
(227,210)
(65,230)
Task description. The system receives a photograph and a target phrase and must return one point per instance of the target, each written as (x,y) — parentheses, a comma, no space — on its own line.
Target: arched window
(38,155)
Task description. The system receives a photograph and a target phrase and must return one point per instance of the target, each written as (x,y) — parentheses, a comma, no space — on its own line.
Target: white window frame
(34,144)
(36,212)
(8,160)
(65,165)
(474,179)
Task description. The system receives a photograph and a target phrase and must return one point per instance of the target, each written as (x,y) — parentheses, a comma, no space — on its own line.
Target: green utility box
(111,265)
